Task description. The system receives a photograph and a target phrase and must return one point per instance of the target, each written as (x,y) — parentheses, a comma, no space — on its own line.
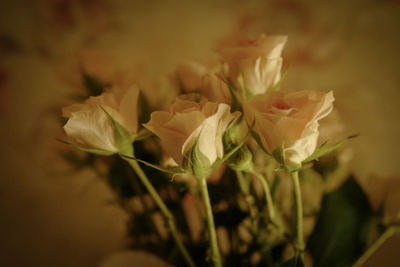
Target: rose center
(281,105)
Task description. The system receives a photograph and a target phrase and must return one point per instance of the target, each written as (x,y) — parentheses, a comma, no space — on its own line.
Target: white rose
(91,127)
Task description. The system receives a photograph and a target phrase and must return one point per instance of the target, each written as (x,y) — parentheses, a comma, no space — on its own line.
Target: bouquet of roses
(231,173)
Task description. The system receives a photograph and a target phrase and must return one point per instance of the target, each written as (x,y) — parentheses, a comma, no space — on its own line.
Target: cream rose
(189,122)
(91,127)
(194,76)
(255,65)
(290,121)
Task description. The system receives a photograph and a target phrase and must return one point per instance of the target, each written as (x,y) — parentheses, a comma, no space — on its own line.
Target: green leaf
(293,262)
(123,138)
(89,150)
(93,86)
(340,234)
(324,148)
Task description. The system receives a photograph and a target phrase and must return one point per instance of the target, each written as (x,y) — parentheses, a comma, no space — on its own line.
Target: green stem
(244,188)
(267,193)
(164,209)
(216,257)
(388,233)
(299,213)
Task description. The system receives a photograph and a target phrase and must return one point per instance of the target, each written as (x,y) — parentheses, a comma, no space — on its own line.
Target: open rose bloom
(289,120)
(188,122)
(89,124)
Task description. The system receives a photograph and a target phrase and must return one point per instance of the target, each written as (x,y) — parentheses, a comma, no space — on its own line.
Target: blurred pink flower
(194,76)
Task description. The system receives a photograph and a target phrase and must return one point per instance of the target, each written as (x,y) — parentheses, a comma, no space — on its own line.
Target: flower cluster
(231,114)
(286,121)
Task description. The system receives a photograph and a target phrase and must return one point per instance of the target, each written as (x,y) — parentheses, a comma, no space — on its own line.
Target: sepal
(325,149)
(89,150)
(277,86)
(195,162)
(170,170)
(123,139)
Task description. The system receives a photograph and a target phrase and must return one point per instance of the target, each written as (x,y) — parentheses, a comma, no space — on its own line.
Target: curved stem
(268,197)
(216,257)
(164,209)
(299,213)
(244,188)
(388,233)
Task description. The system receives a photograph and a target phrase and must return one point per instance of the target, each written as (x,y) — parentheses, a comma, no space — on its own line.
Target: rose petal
(92,128)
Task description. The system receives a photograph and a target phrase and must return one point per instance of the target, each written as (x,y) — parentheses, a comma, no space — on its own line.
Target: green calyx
(195,162)
(123,139)
(279,155)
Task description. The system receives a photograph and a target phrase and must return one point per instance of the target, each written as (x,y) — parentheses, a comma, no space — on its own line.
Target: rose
(194,76)
(190,123)
(91,125)
(289,121)
(255,65)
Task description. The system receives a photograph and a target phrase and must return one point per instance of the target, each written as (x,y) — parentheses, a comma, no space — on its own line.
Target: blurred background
(52,215)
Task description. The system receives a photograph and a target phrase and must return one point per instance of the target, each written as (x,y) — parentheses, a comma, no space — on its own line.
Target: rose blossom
(91,127)
(189,121)
(194,76)
(289,120)
(255,65)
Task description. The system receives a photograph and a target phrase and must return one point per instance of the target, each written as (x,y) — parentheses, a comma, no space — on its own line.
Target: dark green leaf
(340,234)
